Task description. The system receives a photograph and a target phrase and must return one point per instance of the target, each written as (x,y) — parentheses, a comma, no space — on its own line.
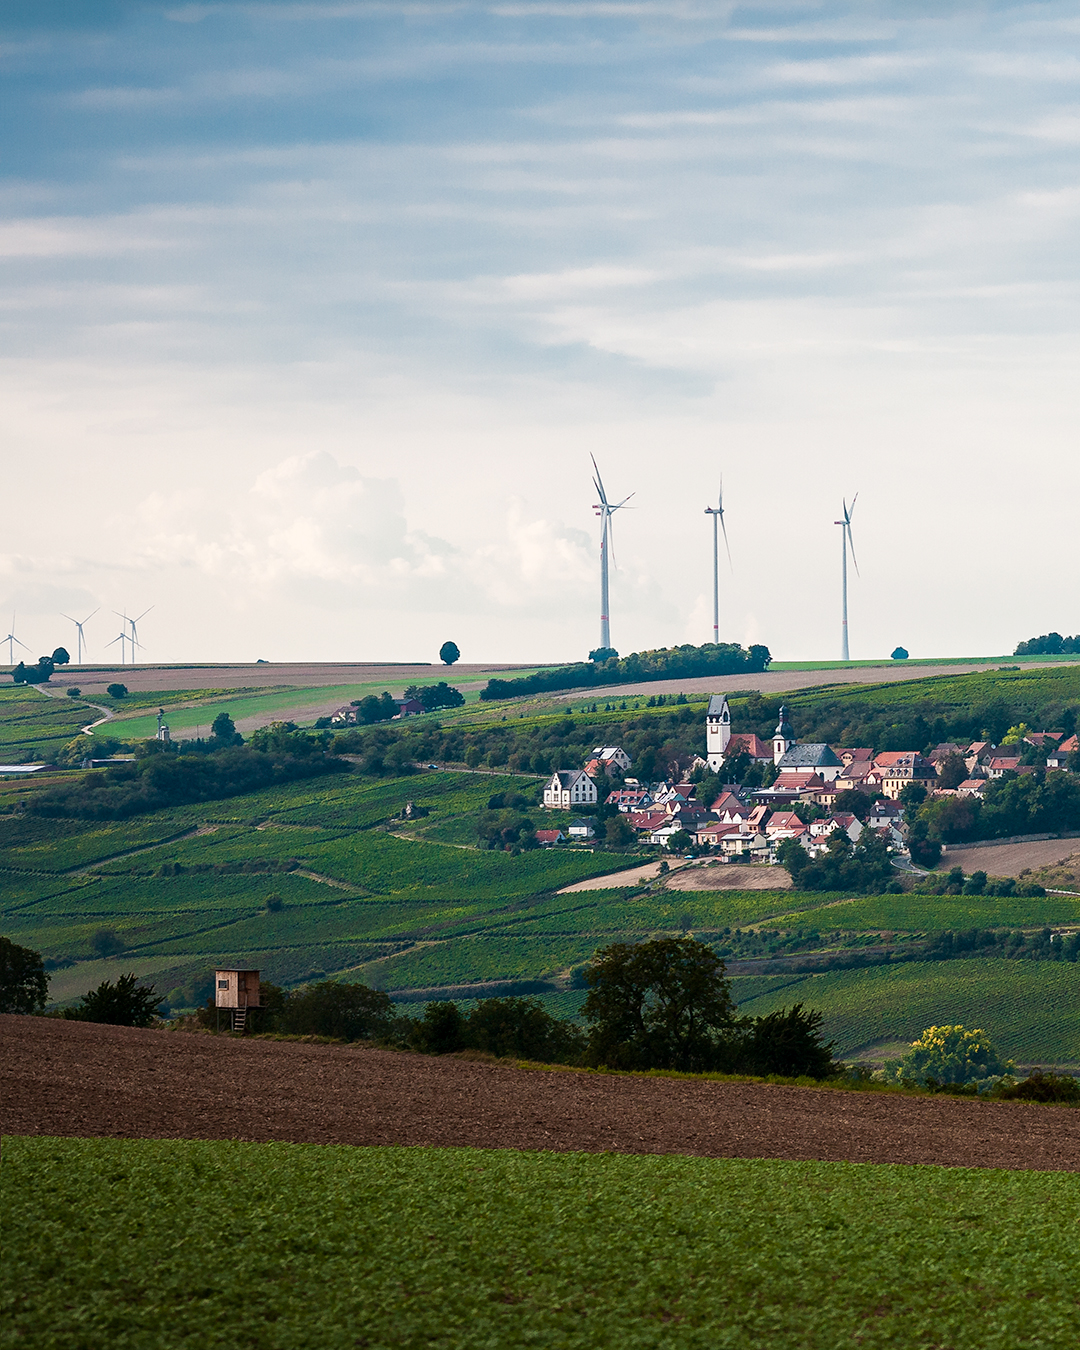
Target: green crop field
(460,1248)
(1031,1009)
(936,913)
(34,726)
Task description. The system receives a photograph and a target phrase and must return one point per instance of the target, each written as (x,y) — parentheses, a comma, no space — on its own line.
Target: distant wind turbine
(717,513)
(132,633)
(122,638)
(605,511)
(79,631)
(845,536)
(11,640)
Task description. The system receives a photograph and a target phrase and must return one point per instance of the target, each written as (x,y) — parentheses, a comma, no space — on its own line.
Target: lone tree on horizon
(448,653)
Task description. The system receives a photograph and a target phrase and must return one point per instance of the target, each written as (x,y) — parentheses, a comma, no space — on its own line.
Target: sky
(313,311)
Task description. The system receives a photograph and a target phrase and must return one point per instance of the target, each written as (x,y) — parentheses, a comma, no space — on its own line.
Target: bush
(24,986)
(73,691)
(348,1012)
(1040,1087)
(105,943)
(787,1042)
(123,1004)
(524,1029)
(117,690)
(441,1030)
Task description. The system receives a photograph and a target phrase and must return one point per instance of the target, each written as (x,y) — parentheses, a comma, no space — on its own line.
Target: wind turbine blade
(622,503)
(142,616)
(121,638)
(726,544)
(21,644)
(598,481)
(851,545)
(90,616)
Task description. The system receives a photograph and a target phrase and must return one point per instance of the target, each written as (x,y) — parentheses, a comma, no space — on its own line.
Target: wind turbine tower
(11,640)
(134,636)
(717,513)
(846,541)
(605,510)
(79,631)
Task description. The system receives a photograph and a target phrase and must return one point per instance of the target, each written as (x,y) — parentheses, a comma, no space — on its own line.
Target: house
(712,832)
(1059,758)
(941,753)
(740,842)
(758,818)
(408,707)
(608,759)
(883,814)
(748,743)
(568,788)
(580,829)
(730,810)
(630,799)
(972,787)
(647,821)
(842,820)
(898,768)
(784,825)
(860,755)
(859,776)
(813,757)
(999,765)
(547,837)
(1044,740)
(976,753)
(802,786)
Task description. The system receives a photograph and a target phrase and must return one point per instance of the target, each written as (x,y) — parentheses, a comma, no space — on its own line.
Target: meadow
(459,1248)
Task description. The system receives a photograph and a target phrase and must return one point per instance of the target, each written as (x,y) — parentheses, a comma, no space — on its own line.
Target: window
(223,984)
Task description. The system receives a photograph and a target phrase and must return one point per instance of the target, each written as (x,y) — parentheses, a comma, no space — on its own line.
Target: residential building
(568,788)
(630,799)
(580,829)
(999,765)
(784,825)
(972,787)
(1059,758)
(886,813)
(608,759)
(842,820)
(547,837)
(730,810)
(898,768)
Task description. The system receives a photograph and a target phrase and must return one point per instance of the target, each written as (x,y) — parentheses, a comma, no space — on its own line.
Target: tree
(432,696)
(952,771)
(599,654)
(350,1012)
(60,657)
(117,690)
(680,841)
(18,674)
(912,796)
(441,1030)
(900,654)
(618,832)
(949,1055)
(223,729)
(24,986)
(788,1043)
(105,943)
(853,802)
(449,653)
(73,692)
(523,1028)
(663,1004)
(123,1004)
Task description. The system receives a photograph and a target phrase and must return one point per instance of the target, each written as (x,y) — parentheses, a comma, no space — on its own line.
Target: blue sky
(313,313)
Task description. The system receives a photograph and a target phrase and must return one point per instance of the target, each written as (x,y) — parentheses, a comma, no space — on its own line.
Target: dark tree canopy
(223,729)
(123,1004)
(449,653)
(599,654)
(60,657)
(900,654)
(659,1004)
(117,690)
(24,986)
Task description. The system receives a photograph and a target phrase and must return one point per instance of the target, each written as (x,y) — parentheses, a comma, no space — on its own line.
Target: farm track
(78,1079)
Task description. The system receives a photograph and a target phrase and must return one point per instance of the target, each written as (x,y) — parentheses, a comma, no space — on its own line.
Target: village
(805,794)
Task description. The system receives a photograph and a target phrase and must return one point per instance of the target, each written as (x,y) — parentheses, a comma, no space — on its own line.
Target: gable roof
(750,743)
(812,755)
(717,704)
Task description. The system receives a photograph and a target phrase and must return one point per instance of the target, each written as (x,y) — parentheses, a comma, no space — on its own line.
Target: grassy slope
(456,1248)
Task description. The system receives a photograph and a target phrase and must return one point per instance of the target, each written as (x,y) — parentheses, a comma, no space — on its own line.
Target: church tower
(783,738)
(717,731)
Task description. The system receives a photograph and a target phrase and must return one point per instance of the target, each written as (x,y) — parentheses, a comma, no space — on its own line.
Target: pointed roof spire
(783,727)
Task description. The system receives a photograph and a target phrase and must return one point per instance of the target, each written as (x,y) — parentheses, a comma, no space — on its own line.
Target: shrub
(1041,1087)
(787,1042)
(73,691)
(349,1012)
(441,1030)
(117,690)
(106,943)
(523,1028)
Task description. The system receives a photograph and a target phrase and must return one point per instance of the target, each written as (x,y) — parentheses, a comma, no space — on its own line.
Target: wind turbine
(845,535)
(605,511)
(79,630)
(11,640)
(717,513)
(122,637)
(132,635)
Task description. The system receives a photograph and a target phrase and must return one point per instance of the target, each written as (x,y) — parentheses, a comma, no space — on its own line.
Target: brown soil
(70,1078)
(1009,860)
(720,876)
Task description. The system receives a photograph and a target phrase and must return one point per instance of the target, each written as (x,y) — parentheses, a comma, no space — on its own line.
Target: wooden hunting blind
(237,990)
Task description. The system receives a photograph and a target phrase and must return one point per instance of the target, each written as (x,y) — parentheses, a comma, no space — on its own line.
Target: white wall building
(717,731)
(569,788)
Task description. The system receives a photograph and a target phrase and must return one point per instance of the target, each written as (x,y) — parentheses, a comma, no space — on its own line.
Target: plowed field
(71,1078)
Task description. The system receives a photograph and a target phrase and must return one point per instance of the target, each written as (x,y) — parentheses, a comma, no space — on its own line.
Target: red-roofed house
(1000,765)
(545,837)
(1059,758)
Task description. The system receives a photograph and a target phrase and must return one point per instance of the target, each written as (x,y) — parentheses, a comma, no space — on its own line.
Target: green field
(126,1243)
(1031,1009)
(34,726)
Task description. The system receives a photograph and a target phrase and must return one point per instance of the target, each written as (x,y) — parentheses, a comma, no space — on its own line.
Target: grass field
(457,1249)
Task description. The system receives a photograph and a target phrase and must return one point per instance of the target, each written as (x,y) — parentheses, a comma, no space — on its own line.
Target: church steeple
(783,737)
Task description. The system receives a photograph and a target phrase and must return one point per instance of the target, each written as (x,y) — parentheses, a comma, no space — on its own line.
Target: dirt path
(71,1078)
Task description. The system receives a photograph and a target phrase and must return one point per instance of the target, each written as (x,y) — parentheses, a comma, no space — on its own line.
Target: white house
(568,788)
(580,829)
(609,759)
